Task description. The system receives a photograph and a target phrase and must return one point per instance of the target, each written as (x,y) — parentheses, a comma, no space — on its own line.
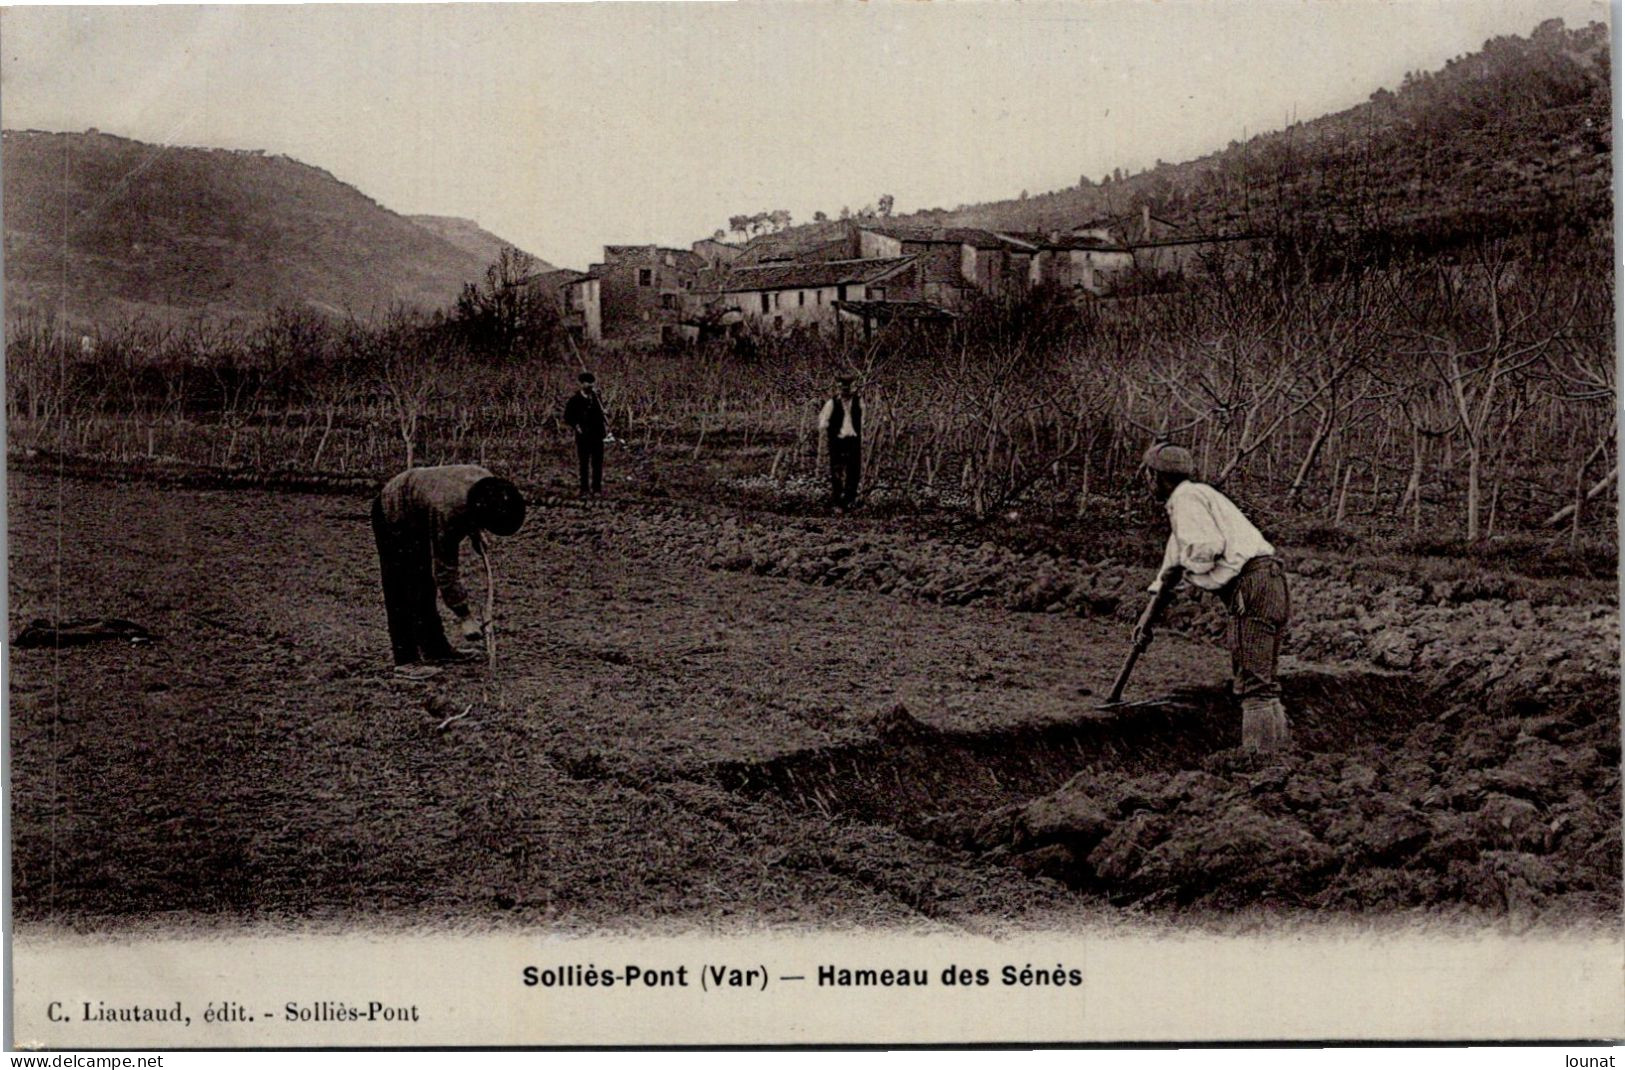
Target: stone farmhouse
(583,307)
(960,262)
(1105,255)
(869,274)
(783,296)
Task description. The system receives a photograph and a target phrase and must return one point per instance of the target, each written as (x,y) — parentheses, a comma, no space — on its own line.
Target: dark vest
(587,414)
(837,416)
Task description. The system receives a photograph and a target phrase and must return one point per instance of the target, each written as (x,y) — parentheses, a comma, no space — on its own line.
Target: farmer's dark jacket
(586,415)
(432,504)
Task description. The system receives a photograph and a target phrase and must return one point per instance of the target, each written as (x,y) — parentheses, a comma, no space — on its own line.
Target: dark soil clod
(1155,805)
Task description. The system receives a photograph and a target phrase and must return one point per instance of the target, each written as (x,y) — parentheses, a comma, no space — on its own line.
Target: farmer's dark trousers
(845,466)
(1259,610)
(407,564)
(590,454)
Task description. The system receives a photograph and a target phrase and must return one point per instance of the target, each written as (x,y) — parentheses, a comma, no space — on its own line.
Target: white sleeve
(825,414)
(1170,558)
(1200,542)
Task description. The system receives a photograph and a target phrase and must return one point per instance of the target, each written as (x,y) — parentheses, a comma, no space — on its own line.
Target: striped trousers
(1259,610)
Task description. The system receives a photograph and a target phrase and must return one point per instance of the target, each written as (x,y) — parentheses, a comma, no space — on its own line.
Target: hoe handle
(490,611)
(1153,613)
(1123,674)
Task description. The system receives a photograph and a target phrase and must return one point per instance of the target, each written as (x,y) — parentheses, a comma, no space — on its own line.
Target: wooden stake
(490,613)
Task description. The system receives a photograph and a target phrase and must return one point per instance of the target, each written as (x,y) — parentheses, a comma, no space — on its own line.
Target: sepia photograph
(811,523)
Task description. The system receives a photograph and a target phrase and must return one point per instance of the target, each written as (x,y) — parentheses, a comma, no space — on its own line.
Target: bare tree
(1479,327)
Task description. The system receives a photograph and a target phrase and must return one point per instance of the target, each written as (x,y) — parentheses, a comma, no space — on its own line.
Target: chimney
(1145,222)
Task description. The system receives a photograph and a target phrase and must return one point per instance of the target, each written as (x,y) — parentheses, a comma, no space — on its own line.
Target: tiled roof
(1099,245)
(562,277)
(973,236)
(685,258)
(1129,224)
(895,310)
(796,242)
(1192,239)
(1009,238)
(936,269)
(795,275)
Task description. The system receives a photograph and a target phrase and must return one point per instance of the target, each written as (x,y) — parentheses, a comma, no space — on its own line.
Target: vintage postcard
(811,523)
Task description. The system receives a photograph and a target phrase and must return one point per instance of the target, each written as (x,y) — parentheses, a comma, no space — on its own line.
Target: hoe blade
(1161,700)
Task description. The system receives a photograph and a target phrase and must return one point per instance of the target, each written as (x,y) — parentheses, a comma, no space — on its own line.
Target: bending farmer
(1215,548)
(420,519)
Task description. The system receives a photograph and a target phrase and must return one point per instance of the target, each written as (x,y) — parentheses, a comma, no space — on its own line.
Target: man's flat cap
(1167,457)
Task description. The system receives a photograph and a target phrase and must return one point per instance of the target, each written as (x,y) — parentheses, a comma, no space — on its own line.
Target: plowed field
(713,716)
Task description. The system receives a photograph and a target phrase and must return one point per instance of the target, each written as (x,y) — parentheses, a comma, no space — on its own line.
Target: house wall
(1078,269)
(808,307)
(581,304)
(938,263)
(1166,259)
(996,272)
(1041,269)
(1193,257)
(714,252)
(1096,267)
(944,294)
(1017,267)
(872,246)
(841,248)
(632,307)
(905,285)
(970,267)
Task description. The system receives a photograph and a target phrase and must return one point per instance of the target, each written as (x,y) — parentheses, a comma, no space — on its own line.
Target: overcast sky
(563,127)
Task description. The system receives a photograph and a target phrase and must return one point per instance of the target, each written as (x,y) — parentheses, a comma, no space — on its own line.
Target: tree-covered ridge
(1512,137)
(101,228)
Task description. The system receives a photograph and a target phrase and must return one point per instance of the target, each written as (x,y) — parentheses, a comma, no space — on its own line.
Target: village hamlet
(1223,533)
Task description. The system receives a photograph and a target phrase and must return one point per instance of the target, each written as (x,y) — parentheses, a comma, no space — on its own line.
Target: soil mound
(1513,811)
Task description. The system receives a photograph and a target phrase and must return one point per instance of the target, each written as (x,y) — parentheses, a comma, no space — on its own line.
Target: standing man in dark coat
(584,414)
(420,519)
(841,423)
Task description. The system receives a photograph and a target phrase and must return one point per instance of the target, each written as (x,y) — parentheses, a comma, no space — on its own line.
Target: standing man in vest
(420,520)
(584,414)
(1215,548)
(841,423)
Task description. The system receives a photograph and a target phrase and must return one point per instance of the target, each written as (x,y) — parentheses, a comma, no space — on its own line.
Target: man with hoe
(584,414)
(1215,548)
(841,423)
(420,520)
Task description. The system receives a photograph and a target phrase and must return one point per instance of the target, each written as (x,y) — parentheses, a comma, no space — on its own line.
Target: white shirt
(1210,539)
(847,430)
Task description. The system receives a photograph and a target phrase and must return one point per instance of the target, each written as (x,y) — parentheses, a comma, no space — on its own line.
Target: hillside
(471,237)
(1516,136)
(174,233)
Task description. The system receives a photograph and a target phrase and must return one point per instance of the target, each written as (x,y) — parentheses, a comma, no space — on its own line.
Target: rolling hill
(104,228)
(1514,137)
(471,237)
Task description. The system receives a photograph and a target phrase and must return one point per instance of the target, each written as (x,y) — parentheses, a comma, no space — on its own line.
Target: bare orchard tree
(34,379)
(406,362)
(1004,412)
(1481,327)
(509,314)
(1584,379)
